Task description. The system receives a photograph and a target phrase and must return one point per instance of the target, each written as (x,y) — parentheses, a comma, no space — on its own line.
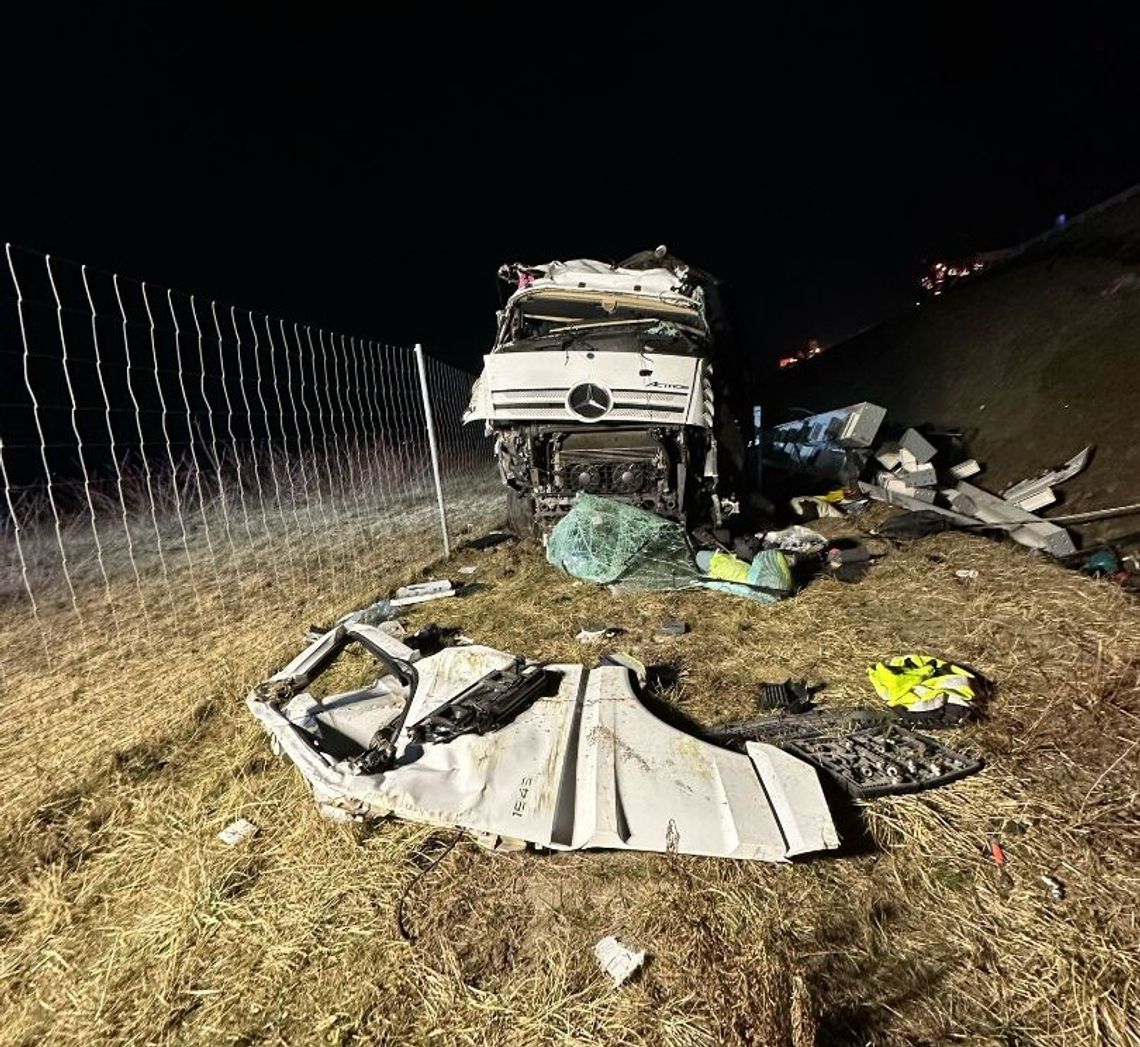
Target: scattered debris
(626,661)
(421,592)
(915,524)
(973,508)
(853,553)
(834,445)
(925,689)
(598,632)
(671,627)
(488,541)
(433,637)
(1056,887)
(837,444)
(424,588)
(618,960)
(813,508)
(385,610)
(1038,500)
(1025,528)
(794,539)
(468,569)
(238,831)
(793,696)
(909,499)
(1100,563)
(849,562)
(964,470)
(915,449)
(967,574)
(373,614)
(1001,865)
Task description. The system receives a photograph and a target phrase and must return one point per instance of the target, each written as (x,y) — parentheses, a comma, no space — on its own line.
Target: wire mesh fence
(164,454)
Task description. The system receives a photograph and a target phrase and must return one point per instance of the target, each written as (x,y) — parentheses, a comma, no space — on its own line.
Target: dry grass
(124,920)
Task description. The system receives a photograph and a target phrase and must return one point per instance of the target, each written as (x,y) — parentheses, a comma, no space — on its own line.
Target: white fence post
(430,422)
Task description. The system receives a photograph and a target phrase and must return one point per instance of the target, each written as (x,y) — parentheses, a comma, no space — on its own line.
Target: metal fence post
(430,423)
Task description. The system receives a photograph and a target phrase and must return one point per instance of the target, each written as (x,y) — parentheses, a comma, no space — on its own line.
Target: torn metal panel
(584,766)
(1023,526)
(908,501)
(974,508)
(1029,489)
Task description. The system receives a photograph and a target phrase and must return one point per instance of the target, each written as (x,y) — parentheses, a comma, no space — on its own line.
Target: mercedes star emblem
(589,401)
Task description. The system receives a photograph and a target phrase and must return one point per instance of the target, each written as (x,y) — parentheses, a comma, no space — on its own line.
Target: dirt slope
(1030,362)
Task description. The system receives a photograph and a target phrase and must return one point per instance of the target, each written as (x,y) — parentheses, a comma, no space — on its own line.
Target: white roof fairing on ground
(587,767)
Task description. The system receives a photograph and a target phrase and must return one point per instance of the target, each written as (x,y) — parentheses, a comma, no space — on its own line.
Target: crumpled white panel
(589,767)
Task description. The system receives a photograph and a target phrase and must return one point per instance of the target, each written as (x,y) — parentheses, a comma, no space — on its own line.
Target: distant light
(1061,219)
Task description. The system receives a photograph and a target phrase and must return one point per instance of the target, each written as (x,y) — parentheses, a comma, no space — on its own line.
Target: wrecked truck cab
(600,380)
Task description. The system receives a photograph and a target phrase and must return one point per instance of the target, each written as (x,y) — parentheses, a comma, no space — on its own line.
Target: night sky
(370,174)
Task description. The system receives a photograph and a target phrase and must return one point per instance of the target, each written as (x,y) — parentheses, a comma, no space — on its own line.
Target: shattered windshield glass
(623,321)
(548,312)
(637,336)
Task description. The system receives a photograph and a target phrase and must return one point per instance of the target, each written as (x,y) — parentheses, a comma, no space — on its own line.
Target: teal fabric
(770,573)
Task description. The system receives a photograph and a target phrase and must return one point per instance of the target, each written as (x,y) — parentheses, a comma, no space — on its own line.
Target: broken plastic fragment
(618,960)
(424,588)
(238,831)
(795,539)
(966,469)
(596,632)
(1056,887)
(1032,486)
